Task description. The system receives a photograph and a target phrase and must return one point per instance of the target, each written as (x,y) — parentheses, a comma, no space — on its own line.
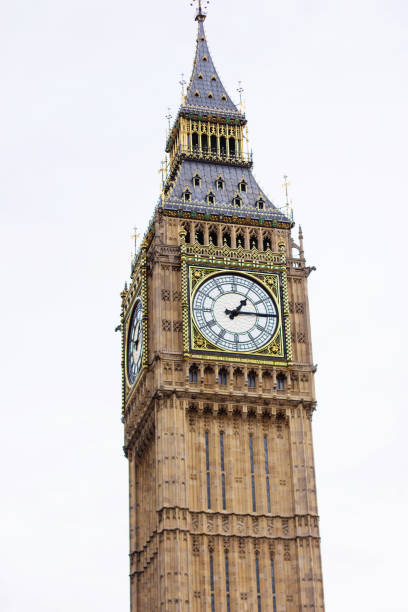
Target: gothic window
(224,500)
(223,145)
(193,374)
(251,379)
(251,460)
(207,469)
(220,183)
(213,144)
(196,180)
(258,583)
(267,243)
(260,204)
(280,381)
(186,227)
(187,195)
(227,583)
(243,187)
(237,202)
(210,198)
(232,146)
(194,140)
(223,97)
(205,58)
(196,94)
(213,237)
(199,236)
(273,584)
(226,239)
(253,242)
(204,142)
(240,240)
(212,595)
(222,376)
(210,95)
(200,76)
(268,490)
(213,78)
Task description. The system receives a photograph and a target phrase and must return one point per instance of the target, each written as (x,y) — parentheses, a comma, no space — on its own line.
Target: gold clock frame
(198,263)
(139,292)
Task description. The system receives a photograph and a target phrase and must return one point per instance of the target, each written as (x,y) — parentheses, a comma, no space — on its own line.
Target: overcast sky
(85,90)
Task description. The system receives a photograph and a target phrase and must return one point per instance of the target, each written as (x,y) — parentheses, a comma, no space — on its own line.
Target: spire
(205,91)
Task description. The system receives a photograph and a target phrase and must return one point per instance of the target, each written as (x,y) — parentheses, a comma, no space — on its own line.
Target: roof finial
(201,6)
(169,116)
(240,90)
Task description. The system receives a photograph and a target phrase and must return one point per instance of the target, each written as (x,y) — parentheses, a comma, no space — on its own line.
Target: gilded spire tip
(201,7)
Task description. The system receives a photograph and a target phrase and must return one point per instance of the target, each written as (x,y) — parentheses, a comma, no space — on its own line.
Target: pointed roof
(205,91)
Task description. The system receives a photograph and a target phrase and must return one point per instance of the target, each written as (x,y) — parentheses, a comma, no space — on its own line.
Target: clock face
(235,312)
(135,343)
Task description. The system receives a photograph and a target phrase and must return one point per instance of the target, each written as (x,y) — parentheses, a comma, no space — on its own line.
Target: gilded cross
(162,171)
(286,185)
(182,83)
(135,236)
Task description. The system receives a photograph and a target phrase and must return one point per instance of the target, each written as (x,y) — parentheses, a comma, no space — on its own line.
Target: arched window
(213,236)
(194,140)
(199,236)
(213,141)
(223,97)
(220,183)
(251,379)
(222,376)
(243,187)
(253,242)
(260,204)
(223,145)
(187,195)
(267,243)
(193,374)
(211,198)
(196,180)
(204,142)
(280,381)
(226,238)
(237,202)
(186,228)
(232,146)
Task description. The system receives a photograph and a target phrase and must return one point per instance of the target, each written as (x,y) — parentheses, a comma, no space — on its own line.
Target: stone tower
(218,390)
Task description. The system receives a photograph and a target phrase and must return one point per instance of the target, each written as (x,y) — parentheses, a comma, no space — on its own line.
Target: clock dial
(135,343)
(235,312)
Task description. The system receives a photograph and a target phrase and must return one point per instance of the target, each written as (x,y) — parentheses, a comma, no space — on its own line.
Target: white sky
(85,88)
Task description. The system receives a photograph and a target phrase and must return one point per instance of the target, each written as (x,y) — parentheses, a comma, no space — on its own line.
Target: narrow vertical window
(268,490)
(224,500)
(227,583)
(212,583)
(273,584)
(258,584)
(207,469)
(251,456)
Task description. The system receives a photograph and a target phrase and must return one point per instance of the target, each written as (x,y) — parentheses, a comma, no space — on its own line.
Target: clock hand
(233,313)
(256,314)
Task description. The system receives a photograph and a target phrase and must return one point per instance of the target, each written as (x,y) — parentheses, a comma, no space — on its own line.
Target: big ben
(218,380)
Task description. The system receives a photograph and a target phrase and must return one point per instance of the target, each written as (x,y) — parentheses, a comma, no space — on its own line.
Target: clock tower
(218,391)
